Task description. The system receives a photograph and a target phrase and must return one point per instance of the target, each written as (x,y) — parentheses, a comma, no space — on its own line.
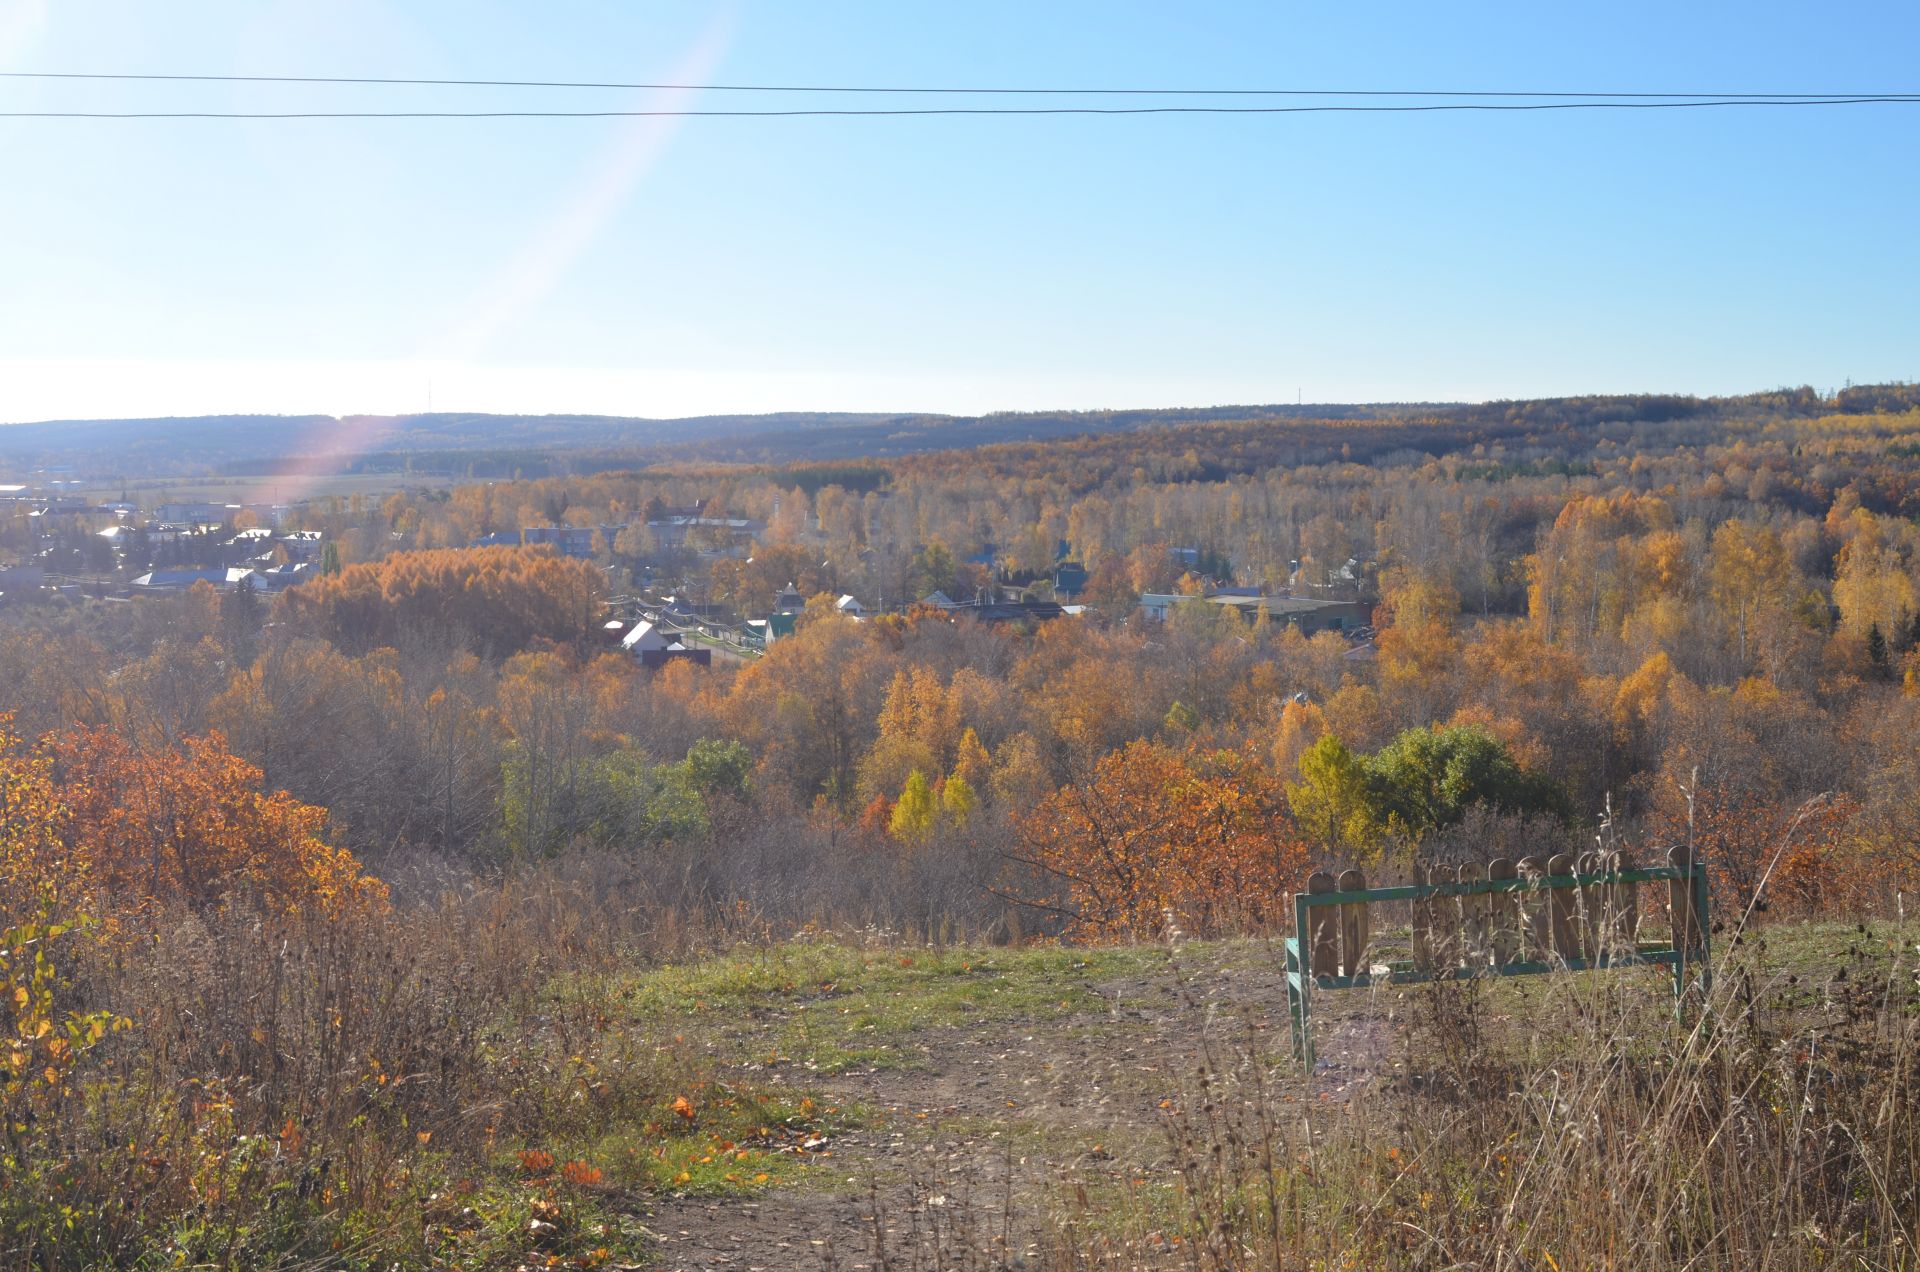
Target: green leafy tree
(1423,780)
(1877,650)
(633,804)
(1332,801)
(1427,778)
(241,615)
(718,767)
(619,800)
(933,570)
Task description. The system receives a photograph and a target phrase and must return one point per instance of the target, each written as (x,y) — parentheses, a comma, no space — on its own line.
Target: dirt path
(957,1145)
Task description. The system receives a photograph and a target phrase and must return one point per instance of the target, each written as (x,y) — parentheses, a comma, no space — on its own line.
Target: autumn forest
(358,823)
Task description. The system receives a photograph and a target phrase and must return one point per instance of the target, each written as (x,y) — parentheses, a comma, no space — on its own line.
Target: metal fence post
(1303,959)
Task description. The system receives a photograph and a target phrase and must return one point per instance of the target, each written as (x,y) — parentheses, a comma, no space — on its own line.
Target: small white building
(224,578)
(850,607)
(646,637)
(1155,605)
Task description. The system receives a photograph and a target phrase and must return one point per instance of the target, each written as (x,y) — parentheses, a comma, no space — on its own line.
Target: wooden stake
(1561,908)
(1353,926)
(1681,911)
(1626,904)
(1324,920)
(1422,921)
(1503,914)
(1535,927)
(1473,917)
(1590,899)
(1446,920)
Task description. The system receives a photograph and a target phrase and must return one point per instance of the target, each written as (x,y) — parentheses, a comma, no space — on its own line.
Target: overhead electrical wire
(956,110)
(931,90)
(1325,101)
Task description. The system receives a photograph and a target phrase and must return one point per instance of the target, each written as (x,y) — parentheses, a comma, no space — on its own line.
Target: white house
(222,577)
(646,637)
(850,607)
(1156,604)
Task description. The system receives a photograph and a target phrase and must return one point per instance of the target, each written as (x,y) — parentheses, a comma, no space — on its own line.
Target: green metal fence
(1597,942)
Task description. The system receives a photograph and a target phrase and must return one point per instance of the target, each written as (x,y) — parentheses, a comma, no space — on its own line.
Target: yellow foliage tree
(912,819)
(1301,725)
(957,800)
(971,763)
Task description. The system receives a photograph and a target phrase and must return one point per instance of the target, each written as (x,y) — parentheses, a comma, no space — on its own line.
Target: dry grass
(1777,1129)
(480,1080)
(392,1089)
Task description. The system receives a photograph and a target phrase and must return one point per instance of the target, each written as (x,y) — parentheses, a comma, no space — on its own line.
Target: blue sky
(709,265)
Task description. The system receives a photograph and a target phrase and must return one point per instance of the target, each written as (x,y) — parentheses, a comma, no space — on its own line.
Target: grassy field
(151,491)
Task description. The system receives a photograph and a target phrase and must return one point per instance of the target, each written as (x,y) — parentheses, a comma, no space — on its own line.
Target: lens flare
(537,269)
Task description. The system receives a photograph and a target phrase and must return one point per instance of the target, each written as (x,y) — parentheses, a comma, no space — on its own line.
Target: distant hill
(491,445)
(481,445)
(218,442)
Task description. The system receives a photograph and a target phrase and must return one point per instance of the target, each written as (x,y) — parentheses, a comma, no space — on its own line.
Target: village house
(656,647)
(643,636)
(180,579)
(678,528)
(1309,615)
(192,514)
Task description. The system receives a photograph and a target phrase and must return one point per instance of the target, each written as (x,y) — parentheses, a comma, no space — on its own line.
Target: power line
(961,110)
(870,88)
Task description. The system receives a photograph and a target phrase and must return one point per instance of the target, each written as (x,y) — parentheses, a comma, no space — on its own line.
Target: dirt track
(959,1145)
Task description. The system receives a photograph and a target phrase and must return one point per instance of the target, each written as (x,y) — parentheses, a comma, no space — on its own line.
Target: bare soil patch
(981,1116)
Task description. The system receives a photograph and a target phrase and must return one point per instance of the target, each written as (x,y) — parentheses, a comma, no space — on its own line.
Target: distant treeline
(506,446)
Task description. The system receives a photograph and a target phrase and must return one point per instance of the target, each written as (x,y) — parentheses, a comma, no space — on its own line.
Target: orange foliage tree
(1153,837)
(1747,778)
(124,828)
(1768,855)
(504,599)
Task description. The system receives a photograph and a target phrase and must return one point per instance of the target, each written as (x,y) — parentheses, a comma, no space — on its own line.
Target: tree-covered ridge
(477,445)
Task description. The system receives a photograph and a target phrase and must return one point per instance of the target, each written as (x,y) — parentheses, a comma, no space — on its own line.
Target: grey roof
(1283,604)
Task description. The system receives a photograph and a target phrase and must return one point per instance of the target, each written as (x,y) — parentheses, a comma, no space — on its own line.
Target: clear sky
(948,264)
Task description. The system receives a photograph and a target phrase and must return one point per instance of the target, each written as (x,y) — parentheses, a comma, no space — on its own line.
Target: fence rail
(1525,918)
